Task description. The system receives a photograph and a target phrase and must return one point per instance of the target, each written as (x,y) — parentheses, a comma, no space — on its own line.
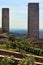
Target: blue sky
(18,12)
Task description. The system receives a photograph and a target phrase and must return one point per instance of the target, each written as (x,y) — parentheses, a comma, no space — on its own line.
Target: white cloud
(20,12)
(17,21)
(41,25)
(40,10)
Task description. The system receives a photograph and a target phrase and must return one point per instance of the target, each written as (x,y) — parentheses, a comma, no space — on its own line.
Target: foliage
(7,61)
(26,46)
(27,61)
(22,45)
(11,37)
(10,61)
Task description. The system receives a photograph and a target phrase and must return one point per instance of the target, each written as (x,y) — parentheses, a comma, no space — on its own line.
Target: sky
(18,12)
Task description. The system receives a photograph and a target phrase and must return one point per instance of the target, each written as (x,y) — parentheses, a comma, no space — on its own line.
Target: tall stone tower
(33,20)
(5,19)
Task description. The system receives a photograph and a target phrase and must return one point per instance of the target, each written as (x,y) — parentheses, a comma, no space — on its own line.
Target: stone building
(5,20)
(33,20)
(1,31)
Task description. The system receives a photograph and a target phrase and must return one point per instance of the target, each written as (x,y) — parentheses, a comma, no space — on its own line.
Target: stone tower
(5,19)
(33,20)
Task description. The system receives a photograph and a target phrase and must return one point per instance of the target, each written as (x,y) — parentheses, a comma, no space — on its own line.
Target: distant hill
(41,33)
(23,32)
(19,32)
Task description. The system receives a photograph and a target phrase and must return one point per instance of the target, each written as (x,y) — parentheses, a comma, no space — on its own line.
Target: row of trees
(23,45)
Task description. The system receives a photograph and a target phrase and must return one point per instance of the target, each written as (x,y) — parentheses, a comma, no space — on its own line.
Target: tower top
(5,8)
(33,3)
